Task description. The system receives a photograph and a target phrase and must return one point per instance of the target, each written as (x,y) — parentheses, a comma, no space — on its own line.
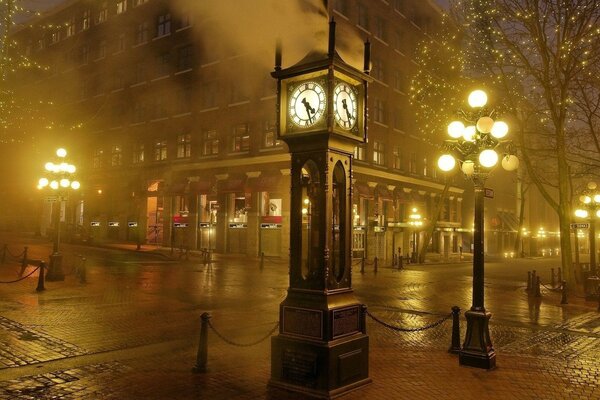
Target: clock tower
(322,348)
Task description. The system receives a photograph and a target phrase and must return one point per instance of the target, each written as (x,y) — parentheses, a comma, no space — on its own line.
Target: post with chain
(552,280)
(375,261)
(23,262)
(82,271)
(559,275)
(362,265)
(563,299)
(529,285)
(202,355)
(455,345)
(538,283)
(40,285)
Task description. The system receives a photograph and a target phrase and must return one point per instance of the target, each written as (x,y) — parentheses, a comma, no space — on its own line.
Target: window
(139,111)
(160,150)
(121,42)
(138,153)
(140,72)
(412,163)
(381,28)
(85,22)
(397,158)
(342,6)
(186,19)
(269,135)
(185,58)
(141,33)
(363,16)
(183,101)
(184,145)
(118,80)
(102,49)
(102,13)
(116,156)
(425,166)
(359,153)
(241,138)
(121,6)
(139,2)
(162,64)
(379,111)
(378,153)
(55,37)
(97,158)
(84,54)
(210,142)
(399,81)
(163,26)
(398,119)
(70,27)
(208,94)
(159,107)
(378,69)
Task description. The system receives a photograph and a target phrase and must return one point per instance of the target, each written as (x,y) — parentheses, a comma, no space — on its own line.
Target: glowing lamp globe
(488,158)
(43,182)
(54,185)
(49,166)
(71,168)
(585,199)
(446,162)
(65,182)
(469,133)
(61,152)
(75,185)
(581,213)
(597,198)
(485,124)
(468,168)
(477,99)
(499,129)
(510,162)
(456,129)
(592,185)
(598,213)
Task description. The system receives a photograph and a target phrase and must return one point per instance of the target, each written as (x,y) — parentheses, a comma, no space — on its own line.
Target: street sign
(489,193)
(580,225)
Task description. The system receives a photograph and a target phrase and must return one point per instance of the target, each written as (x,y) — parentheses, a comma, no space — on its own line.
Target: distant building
(179,138)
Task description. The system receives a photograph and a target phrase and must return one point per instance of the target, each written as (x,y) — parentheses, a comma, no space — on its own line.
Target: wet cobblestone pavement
(132,331)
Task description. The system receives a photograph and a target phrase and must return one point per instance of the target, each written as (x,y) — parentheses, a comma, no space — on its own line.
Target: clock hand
(345,106)
(309,109)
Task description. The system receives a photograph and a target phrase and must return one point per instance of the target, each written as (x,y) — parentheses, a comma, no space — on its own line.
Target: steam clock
(322,347)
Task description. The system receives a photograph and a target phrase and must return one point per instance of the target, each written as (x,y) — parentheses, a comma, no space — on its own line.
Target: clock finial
(278,54)
(331,49)
(367,66)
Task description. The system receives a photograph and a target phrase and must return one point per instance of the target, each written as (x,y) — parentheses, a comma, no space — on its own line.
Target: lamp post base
(55,272)
(477,349)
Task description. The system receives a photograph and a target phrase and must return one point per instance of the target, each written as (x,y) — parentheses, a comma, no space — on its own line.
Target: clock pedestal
(322,349)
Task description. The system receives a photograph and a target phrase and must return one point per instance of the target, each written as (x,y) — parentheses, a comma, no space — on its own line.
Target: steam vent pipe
(331,48)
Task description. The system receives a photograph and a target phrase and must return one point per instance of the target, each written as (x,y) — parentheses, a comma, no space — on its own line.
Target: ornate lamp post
(415,221)
(59,179)
(524,234)
(474,146)
(590,210)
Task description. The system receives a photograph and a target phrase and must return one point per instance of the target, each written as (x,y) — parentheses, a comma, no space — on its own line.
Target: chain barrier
(357,262)
(16,257)
(22,278)
(233,343)
(552,289)
(402,329)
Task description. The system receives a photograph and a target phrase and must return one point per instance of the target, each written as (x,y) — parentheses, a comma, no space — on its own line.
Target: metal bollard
(375,261)
(552,281)
(563,299)
(455,345)
(538,283)
(202,355)
(400,266)
(40,285)
(262,260)
(82,271)
(362,265)
(529,283)
(24,262)
(559,275)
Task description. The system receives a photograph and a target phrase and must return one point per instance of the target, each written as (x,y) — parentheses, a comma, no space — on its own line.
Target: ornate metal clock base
(477,349)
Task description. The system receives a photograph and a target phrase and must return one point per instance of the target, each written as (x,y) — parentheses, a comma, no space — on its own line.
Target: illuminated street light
(415,221)
(590,210)
(477,149)
(59,181)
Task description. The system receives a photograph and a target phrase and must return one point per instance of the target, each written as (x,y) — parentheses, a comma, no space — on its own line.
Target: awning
(384,194)
(232,185)
(363,190)
(269,183)
(201,187)
(509,221)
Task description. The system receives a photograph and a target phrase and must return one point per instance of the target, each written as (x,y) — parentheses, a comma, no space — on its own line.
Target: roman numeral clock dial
(307,104)
(345,106)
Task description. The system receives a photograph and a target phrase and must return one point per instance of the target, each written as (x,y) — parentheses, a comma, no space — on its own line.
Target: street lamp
(524,234)
(590,210)
(59,180)
(541,234)
(474,146)
(415,221)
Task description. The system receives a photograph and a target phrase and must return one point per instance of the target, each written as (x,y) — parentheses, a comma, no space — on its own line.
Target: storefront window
(239,211)
(310,218)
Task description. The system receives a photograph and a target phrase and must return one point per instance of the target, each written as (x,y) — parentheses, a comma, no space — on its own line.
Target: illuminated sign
(237,225)
(204,224)
(132,224)
(95,223)
(180,224)
(113,223)
(270,226)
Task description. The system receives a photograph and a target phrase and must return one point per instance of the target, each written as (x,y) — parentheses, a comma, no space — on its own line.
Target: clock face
(307,104)
(345,106)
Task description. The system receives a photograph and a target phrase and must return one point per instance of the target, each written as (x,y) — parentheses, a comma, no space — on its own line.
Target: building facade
(175,135)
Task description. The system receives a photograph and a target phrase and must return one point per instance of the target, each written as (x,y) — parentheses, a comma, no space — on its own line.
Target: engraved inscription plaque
(345,321)
(299,368)
(303,322)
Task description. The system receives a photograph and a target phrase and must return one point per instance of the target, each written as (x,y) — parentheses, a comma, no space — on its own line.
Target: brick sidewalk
(132,333)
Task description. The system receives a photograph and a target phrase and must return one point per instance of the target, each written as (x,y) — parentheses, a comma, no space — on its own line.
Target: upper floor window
(186,19)
(241,138)
(138,153)
(363,16)
(116,156)
(141,33)
(341,6)
(397,158)
(163,64)
(378,69)
(163,26)
(121,42)
(381,28)
(359,153)
(208,94)
(55,37)
(160,150)
(210,142)
(378,153)
(86,21)
(425,167)
(70,27)
(97,158)
(379,111)
(102,49)
(270,135)
(102,13)
(184,145)
(185,57)
(121,6)
(139,2)
(412,163)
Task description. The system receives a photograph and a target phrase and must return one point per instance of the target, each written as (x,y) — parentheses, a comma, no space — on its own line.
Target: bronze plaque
(345,321)
(303,322)
(299,368)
